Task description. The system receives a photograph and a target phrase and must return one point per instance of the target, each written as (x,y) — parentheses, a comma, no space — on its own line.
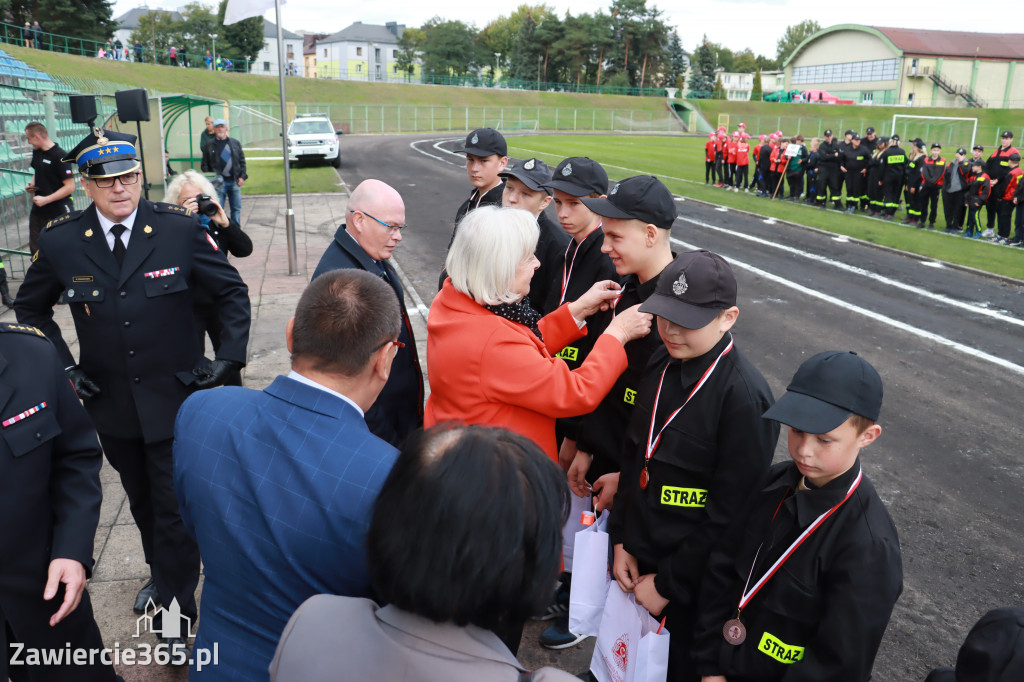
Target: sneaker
(746,191)
(558,636)
(1003,241)
(559,607)
(988,233)
(555,610)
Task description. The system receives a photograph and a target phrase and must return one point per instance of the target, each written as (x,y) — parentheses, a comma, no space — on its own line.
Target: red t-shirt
(742,154)
(732,151)
(709,150)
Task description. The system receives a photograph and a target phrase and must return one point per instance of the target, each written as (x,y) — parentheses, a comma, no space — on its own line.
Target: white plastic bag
(572,526)
(631,645)
(590,578)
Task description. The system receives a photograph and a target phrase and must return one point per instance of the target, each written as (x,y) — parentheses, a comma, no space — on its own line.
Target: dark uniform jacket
(998,165)
(550,252)
(933,172)
(894,161)
(977,193)
(602,433)
(912,176)
(828,155)
(491,197)
(855,160)
(822,615)
(398,409)
(960,169)
(709,461)
(49,467)
(870,145)
(135,324)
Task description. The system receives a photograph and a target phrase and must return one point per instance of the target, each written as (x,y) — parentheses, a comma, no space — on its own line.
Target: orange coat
(485,369)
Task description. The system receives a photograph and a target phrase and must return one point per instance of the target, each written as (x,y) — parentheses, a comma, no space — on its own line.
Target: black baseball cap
(1014,157)
(883,140)
(994,648)
(693,289)
(895,138)
(978,162)
(936,145)
(848,132)
(826,390)
(641,197)
(579,176)
(1007,133)
(978,147)
(869,131)
(485,142)
(961,151)
(855,137)
(827,133)
(918,142)
(533,173)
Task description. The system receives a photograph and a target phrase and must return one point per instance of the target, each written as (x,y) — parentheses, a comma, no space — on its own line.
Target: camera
(205,206)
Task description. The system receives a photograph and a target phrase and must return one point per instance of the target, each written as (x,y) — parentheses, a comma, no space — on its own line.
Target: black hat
(827,133)
(1014,157)
(1007,133)
(485,142)
(895,138)
(848,132)
(918,142)
(962,151)
(994,648)
(883,140)
(641,197)
(533,173)
(826,390)
(855,137)
(869,130)
(978,162)
(936,145)
(978,147)
(105,156)
(579,176)
(693,289)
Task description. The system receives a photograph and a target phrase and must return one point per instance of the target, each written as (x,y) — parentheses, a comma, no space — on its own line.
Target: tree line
(158,30)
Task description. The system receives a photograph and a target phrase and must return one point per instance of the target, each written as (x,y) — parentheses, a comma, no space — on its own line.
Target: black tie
(119,248)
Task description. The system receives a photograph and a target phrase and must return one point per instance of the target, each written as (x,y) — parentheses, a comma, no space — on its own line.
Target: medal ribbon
(652,446)
(567,274)
(748,595)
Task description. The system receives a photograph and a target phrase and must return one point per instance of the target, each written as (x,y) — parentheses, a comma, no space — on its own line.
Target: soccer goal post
(949,131)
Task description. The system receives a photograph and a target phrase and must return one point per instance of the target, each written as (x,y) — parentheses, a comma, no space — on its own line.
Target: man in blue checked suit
(277,486)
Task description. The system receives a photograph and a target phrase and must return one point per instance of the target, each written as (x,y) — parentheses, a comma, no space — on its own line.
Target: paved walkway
(120,568)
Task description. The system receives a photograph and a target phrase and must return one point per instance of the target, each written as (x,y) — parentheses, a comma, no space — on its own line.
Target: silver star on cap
(680,286)
(475,139)
(530,164)
(567,171)
(615,189)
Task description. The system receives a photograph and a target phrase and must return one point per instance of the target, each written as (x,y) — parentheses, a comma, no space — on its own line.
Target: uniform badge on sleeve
(212,242)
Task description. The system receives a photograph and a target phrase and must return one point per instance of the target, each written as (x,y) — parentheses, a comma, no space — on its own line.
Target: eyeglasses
(107,183)
(398,345)
(393,228)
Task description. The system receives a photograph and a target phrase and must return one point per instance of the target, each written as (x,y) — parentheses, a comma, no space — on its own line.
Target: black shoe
(147,593)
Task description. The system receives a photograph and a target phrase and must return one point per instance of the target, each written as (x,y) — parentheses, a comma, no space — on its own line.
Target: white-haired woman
(185,190)
(491,357)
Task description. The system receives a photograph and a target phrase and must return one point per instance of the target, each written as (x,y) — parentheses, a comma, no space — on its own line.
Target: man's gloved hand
(216,373)
(84,386)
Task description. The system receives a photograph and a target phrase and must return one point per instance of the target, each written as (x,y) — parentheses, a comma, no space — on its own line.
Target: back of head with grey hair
(189,177)
(489,245)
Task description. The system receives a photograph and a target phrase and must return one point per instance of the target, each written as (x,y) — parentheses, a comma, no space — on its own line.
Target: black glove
(216,373)
(84,386)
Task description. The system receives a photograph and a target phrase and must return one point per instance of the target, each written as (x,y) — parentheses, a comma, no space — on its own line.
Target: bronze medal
(643,479)
(734,632)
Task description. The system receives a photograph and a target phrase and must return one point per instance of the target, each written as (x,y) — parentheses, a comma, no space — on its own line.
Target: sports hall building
(878,65)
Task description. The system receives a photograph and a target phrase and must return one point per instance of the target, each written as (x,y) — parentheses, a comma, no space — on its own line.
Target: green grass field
(267,177)
(679,162)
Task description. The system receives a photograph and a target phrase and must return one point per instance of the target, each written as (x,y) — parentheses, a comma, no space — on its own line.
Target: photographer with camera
(193,191)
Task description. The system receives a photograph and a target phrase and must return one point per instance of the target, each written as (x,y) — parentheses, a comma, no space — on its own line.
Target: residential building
(366,52)
(265,63)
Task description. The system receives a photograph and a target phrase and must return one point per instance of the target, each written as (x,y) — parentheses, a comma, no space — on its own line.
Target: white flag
(237,10)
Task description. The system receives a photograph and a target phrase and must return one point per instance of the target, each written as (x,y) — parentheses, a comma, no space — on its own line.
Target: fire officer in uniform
(854,166)
(894,162)
(933,172)
(997,168)
(127,268)
(830,180)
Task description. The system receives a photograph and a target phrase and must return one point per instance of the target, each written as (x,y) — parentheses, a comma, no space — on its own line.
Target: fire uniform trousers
(709,162)
(954,193)
(912,188)
(822,615)
(978,194)
(997,167)
(894,162)
(811,178)
(756,172)
(1006,206)
(855,163)
(874,188)
(707,464)
(742,165)
(830,182)
(933,173)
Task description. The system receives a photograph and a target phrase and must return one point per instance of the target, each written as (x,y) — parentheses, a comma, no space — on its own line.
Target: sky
(736,24)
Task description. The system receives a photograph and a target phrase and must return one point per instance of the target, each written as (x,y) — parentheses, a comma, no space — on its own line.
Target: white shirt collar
(309,382)
(106,224)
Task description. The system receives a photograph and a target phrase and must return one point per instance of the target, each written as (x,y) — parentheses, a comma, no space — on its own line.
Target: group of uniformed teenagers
(680,449)
(129,270)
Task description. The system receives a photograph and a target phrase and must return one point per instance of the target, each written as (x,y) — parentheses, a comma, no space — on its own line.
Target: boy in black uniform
(486,155)
(912,183)
(803,583)
(696,447)
(894,161)
(51,186)
(854,165)
(933,173)
(978,191)
(524,189)
(875,203)
(954,189)
(997,168)
(830,182)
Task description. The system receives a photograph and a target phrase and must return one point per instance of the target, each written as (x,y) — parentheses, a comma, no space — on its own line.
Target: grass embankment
(267,177)
(679,162)
(248,87)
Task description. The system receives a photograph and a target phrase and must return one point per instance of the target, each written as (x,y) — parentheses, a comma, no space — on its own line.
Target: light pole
(497,59)
(214,62)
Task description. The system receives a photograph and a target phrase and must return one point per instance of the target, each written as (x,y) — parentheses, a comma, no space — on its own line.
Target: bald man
(376,217)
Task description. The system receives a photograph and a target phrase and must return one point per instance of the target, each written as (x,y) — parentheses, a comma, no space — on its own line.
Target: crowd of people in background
(982,198)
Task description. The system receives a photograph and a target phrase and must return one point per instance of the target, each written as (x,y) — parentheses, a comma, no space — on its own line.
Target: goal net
(949,131)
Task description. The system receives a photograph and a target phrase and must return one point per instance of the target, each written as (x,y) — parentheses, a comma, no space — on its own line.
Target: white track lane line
(870,314)
(435,146)
(888,281)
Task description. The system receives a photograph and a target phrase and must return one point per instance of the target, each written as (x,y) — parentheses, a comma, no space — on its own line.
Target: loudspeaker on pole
(132,105)
(83,108)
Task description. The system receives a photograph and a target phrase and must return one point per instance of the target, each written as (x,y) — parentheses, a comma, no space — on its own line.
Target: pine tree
(89,19)
(702,80)
(755,93)
(719,88)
